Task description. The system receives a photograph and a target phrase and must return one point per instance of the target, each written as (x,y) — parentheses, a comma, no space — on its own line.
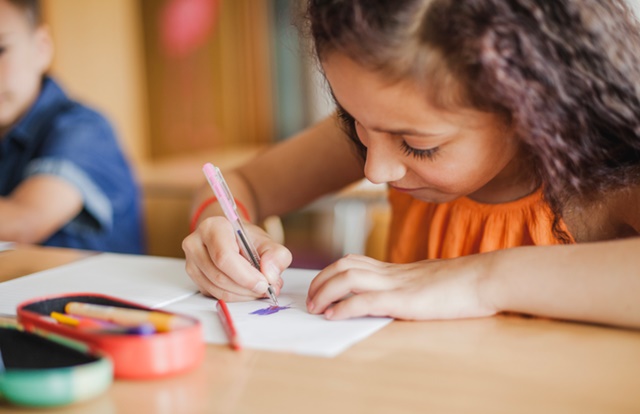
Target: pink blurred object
(186,24)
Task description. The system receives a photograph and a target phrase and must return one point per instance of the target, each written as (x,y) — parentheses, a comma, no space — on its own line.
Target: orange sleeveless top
(421,230)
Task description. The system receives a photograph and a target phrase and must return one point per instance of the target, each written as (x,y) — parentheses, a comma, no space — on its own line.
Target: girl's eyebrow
(404,131)
(400,131)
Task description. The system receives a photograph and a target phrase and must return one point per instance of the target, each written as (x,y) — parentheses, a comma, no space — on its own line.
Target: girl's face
(433,155)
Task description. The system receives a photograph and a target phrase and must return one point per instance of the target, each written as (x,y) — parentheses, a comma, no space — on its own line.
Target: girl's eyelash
(429,153)
(421,154)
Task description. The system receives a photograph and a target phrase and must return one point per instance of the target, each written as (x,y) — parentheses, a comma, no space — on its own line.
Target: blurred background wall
(99,59)
(179,76)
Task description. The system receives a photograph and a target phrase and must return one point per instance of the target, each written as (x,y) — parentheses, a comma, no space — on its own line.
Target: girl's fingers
(364,304)
(218,258)
(231,271)
(345,264)
(274,259)
(326,274)
(209,289)
(351,281)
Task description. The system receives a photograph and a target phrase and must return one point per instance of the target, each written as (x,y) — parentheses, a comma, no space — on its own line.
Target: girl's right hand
(216,265)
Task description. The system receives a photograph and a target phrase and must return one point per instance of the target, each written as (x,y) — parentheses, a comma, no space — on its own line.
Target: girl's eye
(421,154)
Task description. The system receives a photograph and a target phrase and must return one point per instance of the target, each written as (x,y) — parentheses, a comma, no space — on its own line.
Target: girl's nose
(383,164)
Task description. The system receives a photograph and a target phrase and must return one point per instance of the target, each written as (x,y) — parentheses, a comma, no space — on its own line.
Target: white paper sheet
(290,330)
(160,282)
(150,281)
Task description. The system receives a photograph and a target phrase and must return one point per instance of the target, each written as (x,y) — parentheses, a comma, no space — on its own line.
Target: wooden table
(504,364)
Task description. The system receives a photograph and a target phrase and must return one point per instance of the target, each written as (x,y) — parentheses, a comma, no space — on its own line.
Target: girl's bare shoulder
(624,207)
(611,215)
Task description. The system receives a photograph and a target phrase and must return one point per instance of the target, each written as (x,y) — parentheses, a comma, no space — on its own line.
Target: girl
(508,133)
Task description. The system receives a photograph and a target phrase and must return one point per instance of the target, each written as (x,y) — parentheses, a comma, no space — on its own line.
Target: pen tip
(272,295)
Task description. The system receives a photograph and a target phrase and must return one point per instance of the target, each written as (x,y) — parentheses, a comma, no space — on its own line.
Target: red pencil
(227,324)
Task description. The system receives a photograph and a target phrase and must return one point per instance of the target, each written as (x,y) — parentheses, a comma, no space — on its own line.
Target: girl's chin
(435,197)
(430,195)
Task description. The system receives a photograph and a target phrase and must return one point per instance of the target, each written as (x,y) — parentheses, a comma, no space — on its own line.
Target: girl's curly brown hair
(564,73)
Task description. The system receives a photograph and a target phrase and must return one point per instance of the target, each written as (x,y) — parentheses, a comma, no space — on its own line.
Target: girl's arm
(317,161)
(591,282)
(595,282)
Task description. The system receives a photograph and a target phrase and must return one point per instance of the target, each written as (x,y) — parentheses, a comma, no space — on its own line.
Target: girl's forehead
(371,98)
(427,71)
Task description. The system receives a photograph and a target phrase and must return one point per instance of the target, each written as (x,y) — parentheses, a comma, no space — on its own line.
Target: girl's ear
(44,47)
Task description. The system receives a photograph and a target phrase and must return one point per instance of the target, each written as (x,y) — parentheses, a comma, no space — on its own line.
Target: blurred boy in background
(64,181)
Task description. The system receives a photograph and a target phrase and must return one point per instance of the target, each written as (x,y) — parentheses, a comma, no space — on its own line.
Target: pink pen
(228,204)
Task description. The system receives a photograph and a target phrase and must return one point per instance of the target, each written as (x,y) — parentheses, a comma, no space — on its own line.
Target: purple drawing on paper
(269,310)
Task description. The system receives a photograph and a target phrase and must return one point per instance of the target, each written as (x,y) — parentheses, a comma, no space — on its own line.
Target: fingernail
(309,306)
(328,313)
(260,287)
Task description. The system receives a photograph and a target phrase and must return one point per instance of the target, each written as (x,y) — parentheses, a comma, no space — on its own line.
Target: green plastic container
(49,371)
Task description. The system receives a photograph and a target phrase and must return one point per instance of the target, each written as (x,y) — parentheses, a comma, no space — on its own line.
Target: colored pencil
(227,324)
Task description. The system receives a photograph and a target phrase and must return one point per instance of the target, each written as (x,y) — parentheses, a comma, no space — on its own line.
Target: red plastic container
(134,356)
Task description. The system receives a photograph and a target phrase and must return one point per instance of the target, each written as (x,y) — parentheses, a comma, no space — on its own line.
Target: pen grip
(248,251)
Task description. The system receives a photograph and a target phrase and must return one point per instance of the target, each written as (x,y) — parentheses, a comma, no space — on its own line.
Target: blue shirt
(60,137)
